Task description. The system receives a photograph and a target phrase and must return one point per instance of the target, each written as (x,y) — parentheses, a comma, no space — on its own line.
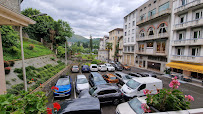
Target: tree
(108,47)
(90,43)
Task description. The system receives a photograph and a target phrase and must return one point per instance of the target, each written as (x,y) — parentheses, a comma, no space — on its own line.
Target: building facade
(129,38)
(114,35)
(120,50)
(102,52)
(186,50)
(153,35)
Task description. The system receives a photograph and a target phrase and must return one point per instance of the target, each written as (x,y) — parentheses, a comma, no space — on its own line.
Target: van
(93,67)
(135,86)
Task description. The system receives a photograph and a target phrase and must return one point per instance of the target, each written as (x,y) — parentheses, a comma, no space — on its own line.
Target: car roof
(93,64)
(85,65)
(95,74)
(81,76)
(147,80)
(80,104)
(75,65)
(102,65)
(106,86)
(110,75)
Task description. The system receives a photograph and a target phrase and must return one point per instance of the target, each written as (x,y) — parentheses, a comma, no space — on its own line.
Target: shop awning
(185,66)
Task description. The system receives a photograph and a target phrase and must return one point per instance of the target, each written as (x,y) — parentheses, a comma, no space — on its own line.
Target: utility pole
(66,62)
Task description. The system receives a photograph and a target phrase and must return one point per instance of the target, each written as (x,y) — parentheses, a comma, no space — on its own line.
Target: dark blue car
(96,79)
(64,87)
(85,68)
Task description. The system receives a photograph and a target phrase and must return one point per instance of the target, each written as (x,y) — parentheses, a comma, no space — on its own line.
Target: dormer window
(162,28)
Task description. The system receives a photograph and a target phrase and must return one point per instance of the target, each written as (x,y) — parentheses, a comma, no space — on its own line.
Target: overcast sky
(95,17)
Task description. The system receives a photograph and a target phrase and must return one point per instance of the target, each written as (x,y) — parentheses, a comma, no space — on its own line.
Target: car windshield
(91,91)
(75,66)
(85,66)
(112,78)
(132,84)
(82,81)
(125,65)
(98,78)
(103,66)
(94,66)
(63,81)
(109,65)
(127,77)
(135,104)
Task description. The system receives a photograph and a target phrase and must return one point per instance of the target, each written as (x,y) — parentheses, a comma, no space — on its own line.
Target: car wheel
(116,101)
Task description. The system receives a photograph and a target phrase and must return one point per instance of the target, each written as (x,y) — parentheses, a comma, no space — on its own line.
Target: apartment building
(153,34)
(186,50)
(114,35)
(129,36)
(102,52)
(120,50)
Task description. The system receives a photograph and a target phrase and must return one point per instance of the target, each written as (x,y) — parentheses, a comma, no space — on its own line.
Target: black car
(107,93)
(145,74)
(117,67)
(89,105)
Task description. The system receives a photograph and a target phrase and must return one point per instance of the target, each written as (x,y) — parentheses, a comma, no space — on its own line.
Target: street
(186,88)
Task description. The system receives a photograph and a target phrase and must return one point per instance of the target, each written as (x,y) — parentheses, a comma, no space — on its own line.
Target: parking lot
(186,88)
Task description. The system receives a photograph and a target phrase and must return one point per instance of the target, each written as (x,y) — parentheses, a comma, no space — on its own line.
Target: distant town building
(129,36)
(102,52)
(120,49)
(114,35)
(186,47)
(70,44)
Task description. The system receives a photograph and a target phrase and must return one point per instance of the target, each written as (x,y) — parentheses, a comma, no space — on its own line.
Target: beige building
(186,47)
(153,34)
(120,50)
(114,35)
(102,52)
(129,36)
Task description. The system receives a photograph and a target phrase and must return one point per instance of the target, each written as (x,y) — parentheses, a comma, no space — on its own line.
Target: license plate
(61,94)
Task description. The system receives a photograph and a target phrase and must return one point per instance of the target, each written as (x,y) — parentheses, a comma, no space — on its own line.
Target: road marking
(74,91)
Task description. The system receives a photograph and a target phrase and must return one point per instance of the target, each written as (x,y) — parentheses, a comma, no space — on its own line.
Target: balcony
(152,37)
(155,16)
(192,59)
(194,41)
(186,7)
(130,52)
(151,52)
(193,23)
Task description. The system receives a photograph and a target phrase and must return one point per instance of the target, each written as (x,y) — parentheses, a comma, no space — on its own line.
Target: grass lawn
(39,50)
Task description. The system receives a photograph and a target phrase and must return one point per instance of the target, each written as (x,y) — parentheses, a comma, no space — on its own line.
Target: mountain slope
(76,38)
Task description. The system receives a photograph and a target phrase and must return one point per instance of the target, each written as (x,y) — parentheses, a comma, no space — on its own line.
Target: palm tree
(108,47)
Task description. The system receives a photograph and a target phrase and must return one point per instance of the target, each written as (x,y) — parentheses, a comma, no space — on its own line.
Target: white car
(81,83)
(109,67)
(102,68)
(93,67)
(134,107)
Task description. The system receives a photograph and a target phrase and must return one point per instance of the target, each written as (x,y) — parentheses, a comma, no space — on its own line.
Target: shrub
(61,51)
(31,46)
(53,58)
(7,70)
(95,61)
(14,50)
(11,62)
(59,61)
(47,66)
(18,70)
(6,64)
(25,39)
(15,89)
(14,79)
(8,82)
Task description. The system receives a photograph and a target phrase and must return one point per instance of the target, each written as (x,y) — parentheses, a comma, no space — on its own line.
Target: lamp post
(41,14)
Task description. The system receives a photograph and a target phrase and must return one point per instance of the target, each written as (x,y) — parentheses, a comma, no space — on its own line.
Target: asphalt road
(186,88)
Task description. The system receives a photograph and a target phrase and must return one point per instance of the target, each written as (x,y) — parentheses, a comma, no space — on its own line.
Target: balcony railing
(156,53)
(193,59)
(187,6)
(128,51)
(192,41)
(151,37)
(193,23)
(159,14)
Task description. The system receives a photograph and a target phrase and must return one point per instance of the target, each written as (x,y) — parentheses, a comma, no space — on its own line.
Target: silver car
(123,78)
(75,68)
(81,83)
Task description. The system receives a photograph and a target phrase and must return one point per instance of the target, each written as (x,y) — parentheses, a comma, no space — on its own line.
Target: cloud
(95,17)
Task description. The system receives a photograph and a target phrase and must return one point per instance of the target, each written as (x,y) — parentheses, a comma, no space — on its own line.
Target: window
(129,32)
(150,44)
(161,47)
(125,19)
(125,33)
(128,48)
(113,38)
(133,23)
(183,2)
(141,47)
(125,26)
(125,49)
(132,48)
(180,36)
(129,25)
(195,51)
(142,17)
(143,86)
(164,7)
(154,1)
(152,12)
(132,40)
(118,32)
(180,51)
(198,14)
(149,5)
(181,19)
(128,39)
(133,15)
(142,33)
(162,28)
(197,34)
(150,30)
(133,31)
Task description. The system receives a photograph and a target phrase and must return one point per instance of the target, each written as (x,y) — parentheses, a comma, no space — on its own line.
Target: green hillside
(78,38)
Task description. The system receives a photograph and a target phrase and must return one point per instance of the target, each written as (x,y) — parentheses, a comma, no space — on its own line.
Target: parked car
(117,67)
(81,83)
(89,105)
(123,78)
(102,68)
(126,67)
(134,107)
(110,78)
(135,74)
(96,79)
(146,74)
(93,67)
(109,67)
(85,68)
(64,87)
(135,86)
(107,93)
(75,68)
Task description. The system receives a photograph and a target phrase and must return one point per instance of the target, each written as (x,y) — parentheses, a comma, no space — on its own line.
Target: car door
(140,89)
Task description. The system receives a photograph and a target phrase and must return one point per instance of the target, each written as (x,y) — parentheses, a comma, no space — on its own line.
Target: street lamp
(41,14)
